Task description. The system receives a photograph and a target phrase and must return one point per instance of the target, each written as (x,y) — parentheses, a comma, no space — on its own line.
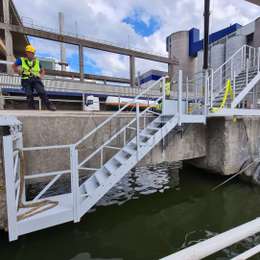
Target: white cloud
(102,19)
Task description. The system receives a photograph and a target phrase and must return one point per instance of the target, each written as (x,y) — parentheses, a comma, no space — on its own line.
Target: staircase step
(91,185)
(146,135)
(129,150)
(120,158)
(112,165)
(153,128)
(101,176)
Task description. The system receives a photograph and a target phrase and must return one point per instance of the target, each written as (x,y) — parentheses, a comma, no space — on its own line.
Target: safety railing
(243,60)
(160,84)
(192,91)
(12,145)
(19,205)
(67,85)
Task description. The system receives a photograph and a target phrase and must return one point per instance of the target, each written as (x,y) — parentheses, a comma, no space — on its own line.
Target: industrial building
(188,47)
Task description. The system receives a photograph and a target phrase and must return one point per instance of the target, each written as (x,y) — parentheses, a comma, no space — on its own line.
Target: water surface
(154,212)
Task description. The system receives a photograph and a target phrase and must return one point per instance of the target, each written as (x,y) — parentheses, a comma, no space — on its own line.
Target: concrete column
(8,35)
(62,47)
(132,71)
(81,62)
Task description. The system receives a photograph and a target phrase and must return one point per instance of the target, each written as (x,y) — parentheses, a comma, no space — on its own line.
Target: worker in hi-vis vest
(32,73)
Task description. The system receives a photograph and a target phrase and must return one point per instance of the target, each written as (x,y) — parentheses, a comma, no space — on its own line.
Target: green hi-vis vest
(30,68)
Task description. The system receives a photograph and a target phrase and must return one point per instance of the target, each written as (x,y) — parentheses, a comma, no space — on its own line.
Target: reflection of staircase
(238,85)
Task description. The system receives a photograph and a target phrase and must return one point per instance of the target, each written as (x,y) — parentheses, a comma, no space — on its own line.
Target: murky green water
(151,214)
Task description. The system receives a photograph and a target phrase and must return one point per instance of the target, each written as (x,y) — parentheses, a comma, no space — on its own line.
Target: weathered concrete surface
(230,144)
(45,128)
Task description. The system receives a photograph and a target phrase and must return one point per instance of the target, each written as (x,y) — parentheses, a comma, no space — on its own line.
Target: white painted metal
(180,78)
(217,243)
(10,187)
(248,254)
(246,90)
(242,69)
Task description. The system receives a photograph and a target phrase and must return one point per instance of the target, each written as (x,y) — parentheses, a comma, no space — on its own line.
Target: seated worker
(32,73)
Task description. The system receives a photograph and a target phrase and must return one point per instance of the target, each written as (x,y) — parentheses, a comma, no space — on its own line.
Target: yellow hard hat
(30,48)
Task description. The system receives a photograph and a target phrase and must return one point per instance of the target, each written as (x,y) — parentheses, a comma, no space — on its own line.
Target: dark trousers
(29,85)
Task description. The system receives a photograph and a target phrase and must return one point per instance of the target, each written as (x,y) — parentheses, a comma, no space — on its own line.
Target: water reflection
(143,181)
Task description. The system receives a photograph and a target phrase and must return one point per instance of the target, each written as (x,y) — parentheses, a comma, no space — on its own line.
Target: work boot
(51,107)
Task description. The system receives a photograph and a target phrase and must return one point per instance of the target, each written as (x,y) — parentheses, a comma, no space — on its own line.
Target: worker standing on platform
(32,73)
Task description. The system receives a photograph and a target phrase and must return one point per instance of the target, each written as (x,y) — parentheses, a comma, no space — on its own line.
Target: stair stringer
(245,91)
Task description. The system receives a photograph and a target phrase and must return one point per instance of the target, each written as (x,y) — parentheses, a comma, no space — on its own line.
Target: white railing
(244,59)
(129,126)
(219,242)
(12,145)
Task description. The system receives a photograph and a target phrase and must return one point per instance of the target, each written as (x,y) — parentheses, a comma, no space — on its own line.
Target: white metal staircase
(140,134)
(121,163)
(243,71)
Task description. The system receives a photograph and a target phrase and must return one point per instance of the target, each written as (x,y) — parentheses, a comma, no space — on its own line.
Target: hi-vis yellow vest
(30,68)
(167,89)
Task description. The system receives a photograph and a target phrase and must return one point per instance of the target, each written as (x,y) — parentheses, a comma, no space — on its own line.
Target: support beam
(62,47)
(87,76)
(81,62)
(132,71)
(8,35)
(85,43)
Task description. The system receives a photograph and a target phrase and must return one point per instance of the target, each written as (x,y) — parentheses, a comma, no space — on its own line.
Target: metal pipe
(247,65)
(206,93)
(62,47)
(247,254)
(258,58)
(81,62)
(217,243)
(137,129)
(180,97)
(206,33)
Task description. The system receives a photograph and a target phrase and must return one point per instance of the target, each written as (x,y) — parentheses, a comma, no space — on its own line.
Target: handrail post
(137,128)
(75,182)
(163,82)
(187,95)
(234,84)
(211,89)
(247,65)
(10,187)
(180,97)
(206,92)
(258,58)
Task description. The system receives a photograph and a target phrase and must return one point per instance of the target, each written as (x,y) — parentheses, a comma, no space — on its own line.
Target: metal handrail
(119,111)
(114,136)
(228,69)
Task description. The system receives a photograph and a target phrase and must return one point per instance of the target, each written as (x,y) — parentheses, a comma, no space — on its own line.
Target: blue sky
(141,24)
(142,27)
